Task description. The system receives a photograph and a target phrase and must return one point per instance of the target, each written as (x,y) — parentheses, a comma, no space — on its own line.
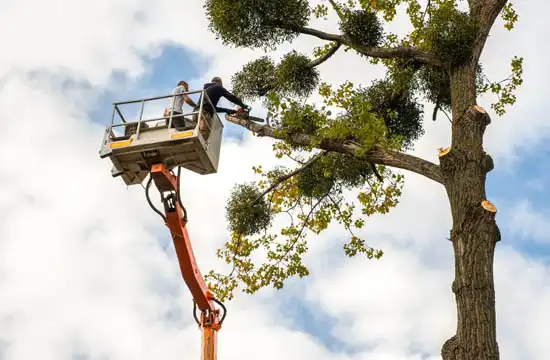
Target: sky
(87,271)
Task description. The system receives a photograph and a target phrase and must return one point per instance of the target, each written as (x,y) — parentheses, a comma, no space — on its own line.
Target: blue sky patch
(162,75)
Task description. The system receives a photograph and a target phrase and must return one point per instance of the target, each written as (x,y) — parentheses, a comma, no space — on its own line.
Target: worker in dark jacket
(214,91)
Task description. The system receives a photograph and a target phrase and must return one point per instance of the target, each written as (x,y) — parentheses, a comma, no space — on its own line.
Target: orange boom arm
(175,218)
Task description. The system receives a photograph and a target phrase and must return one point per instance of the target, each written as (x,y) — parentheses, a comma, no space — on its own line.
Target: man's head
(184,84)
(217,80)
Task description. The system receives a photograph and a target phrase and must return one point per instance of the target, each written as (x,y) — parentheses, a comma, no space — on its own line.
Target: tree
(358,137)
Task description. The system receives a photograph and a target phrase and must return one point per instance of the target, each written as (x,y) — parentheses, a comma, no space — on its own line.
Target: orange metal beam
(165,181)
(209,343)
(209,320)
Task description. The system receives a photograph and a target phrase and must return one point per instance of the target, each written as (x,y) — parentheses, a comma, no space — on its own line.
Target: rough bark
(475,232)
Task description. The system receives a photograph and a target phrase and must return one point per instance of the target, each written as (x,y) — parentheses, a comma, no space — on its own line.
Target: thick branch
(284,178)
(399,52)
(375,155)
(325,57)
(485,12)
(382,53)
(321,34)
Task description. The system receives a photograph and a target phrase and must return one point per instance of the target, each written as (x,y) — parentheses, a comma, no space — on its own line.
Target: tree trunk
(475,232)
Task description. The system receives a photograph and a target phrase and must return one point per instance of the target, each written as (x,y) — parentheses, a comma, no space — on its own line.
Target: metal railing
(170,117)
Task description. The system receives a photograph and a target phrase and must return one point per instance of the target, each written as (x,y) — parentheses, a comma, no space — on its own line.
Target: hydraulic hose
(147,187)
(178,196)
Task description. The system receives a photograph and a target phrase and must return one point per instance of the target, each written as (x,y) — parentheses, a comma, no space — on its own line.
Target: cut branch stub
(488,163)
(479,109)
(444,151)
(447,161)
(487,205)
(468,130)
(483,115)
(478,114)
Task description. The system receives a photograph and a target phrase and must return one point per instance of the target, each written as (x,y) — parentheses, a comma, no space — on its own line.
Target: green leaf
(509,15)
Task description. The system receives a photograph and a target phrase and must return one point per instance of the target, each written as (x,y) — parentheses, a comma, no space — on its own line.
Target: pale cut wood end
(444,151)
(487,205)
(479,109)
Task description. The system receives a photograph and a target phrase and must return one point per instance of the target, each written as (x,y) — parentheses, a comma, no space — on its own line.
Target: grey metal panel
(153,144)
(214,142)
(135,160)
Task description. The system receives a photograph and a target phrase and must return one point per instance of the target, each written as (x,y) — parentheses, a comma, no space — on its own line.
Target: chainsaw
(242,113)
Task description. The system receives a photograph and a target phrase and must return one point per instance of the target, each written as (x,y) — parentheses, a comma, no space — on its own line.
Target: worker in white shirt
(175,106)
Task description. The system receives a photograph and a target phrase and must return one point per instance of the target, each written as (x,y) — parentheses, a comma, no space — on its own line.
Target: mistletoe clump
(256,24)
(362,27)
(295,76)
(247,212)
(333,173)
(356,122)
(401,112)
(435,84)
(256,79)
(315,182)
(450,34)
(298,118)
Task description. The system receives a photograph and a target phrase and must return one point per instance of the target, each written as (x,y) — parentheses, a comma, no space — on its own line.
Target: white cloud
(81,269)
(525,291)
(525,222)
(525,125)
(390,301)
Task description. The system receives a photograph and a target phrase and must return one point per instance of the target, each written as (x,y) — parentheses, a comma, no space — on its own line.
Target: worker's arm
(235,100)
(186,98)
(225,110)
(190,102)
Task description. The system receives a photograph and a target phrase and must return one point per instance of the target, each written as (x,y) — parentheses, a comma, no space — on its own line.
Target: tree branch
(297,238)
(320,34)
(426,10)
(485,12)
(375,172)
(382,53)
(284,178)
(337,9)
(325,57)
(375,155)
